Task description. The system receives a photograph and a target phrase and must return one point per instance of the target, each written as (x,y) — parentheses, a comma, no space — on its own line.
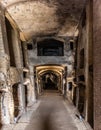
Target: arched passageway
(50,77)
(50,81)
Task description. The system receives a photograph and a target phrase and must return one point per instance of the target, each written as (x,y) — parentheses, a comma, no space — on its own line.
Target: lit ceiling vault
(43,17)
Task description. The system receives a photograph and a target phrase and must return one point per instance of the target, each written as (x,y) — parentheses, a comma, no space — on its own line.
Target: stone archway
(49,76)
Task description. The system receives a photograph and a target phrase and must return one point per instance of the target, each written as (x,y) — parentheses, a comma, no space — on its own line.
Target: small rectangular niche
(29,46)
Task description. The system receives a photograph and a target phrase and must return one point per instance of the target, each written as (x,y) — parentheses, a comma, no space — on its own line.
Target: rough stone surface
(97,63)
(67,59)
(84,62)
(61,115)
(41,17)
(14,75)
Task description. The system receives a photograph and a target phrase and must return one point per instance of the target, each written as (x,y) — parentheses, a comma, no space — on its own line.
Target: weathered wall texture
(97,63)
(42,17)
(12,74)
(67,59)
(6,102)
(84,70)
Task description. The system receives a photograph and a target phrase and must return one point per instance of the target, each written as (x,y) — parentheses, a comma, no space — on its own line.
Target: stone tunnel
(50,64)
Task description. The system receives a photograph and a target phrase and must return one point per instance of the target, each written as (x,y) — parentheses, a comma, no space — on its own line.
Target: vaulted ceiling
(43,17)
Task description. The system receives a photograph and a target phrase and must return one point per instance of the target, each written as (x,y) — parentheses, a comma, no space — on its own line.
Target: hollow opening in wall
(71,45)
(29,46)
(81,78)
(26,95)
(50,47)
(74,80)
(23,54)
(24,74)
(82,58)
(74,95)
(10,34)
(16,99)
(70,86)
(81,101)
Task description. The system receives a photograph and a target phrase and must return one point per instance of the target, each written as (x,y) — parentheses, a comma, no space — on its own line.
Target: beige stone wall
(67,59)
(6,104)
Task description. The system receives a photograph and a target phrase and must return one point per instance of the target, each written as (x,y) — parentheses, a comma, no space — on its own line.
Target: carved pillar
(30,85)
(33,84)
(19,64)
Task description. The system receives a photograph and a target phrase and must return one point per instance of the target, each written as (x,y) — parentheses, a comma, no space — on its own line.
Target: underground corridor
(50,77)
(49,81)
(50,65)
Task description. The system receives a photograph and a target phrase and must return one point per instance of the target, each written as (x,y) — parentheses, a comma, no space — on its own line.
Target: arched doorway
(49,77)
(50,81)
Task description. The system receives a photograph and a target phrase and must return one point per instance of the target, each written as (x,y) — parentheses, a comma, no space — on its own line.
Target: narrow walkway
(51,113)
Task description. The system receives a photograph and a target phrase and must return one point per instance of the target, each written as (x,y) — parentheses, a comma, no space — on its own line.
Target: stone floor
(50,112)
